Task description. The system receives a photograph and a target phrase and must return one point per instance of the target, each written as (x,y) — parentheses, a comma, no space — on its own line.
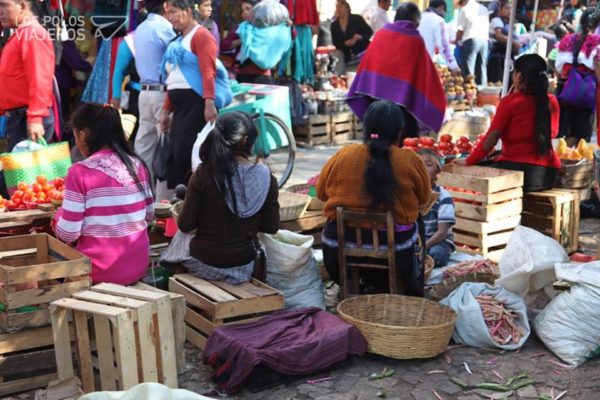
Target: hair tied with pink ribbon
(374,136)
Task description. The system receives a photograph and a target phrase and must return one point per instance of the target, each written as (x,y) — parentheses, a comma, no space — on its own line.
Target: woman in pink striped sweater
(108,199)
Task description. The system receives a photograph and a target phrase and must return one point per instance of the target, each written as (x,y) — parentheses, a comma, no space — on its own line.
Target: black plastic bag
(161,155)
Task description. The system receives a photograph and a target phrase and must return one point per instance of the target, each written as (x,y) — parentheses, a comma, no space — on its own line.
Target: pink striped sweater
(105,212)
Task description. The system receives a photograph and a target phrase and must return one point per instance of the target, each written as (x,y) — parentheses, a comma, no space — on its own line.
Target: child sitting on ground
(438,222)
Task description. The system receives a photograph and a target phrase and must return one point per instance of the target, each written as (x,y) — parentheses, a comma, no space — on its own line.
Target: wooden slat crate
(22,221)
(316,131)
(358,129)
(26,360)
(36,270)
(178,311)
(487,203)
(497,193)
(484,238)
(137,324)
(576,175)
(212,303)
(342,128)
(554,213)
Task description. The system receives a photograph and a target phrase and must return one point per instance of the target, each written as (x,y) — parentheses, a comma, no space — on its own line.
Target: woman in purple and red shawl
(397,67)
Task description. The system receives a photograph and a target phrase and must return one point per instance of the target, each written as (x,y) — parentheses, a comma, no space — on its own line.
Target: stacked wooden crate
(317,130)
(488,204)
(554,213)
(34,271)
(342,127)
(212,303)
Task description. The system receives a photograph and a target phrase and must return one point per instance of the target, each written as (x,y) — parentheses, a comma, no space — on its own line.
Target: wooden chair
(377,221)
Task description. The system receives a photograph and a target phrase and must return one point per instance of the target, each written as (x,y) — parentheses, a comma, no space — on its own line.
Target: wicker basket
(429,265)
(176,209)
(292,205)
(400,327)
(449,284)
(315,204)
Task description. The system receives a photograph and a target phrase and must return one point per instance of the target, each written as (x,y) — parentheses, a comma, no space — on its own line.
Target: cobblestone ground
(417,379)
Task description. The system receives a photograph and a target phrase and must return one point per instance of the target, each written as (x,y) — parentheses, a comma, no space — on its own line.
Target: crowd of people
(178,82)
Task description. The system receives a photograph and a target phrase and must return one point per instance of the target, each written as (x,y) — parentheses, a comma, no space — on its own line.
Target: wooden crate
(137,324)
(342,129)
(358,129)
(51,268)
(27,360)
(484,238)
(498,193)
(178,311)
(22,221)
(316,131)
(554,213)
(212,303)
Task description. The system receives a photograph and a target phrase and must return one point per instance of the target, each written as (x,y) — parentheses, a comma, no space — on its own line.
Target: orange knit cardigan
(342,182)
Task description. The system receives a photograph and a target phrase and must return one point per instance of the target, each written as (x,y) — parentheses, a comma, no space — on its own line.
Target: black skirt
(188,120)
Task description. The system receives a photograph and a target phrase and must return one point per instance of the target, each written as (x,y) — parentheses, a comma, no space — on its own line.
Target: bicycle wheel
(275,146)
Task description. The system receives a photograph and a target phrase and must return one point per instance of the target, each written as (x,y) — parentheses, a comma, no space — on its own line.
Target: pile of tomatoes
(28,196)
(444,147)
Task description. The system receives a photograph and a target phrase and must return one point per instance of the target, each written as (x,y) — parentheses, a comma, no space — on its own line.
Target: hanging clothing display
(303,56)
(96,90)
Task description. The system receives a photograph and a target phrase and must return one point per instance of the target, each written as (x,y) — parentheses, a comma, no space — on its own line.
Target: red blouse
(515,121)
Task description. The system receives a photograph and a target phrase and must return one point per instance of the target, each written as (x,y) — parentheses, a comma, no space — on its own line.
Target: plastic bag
(527,267)
(161,155)
(146,391)
(570,324)
(198,143)
(291,268)
(269,13)
(470,328)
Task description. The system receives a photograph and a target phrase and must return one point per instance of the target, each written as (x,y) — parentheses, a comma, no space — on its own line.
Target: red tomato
(36,187)
(41,180)
(22,186)
(59,196)
(18,193)
(58,182)
(426,141)
(10,204)
(17,200)
(446,138)
(444,146)
(411,142)
(463,139)
(27,197)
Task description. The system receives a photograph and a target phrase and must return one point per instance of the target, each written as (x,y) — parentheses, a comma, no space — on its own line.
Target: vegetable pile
(445,146)
(501,322)
(42,191)
(469,267)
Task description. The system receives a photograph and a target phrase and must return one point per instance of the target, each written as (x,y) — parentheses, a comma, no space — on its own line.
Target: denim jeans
(474,59)
(440,253)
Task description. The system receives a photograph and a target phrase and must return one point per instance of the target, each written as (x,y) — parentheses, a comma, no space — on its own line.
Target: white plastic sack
(269,13)
(527,266)
(470,328)
(179,248)
(570,325)
(291,268)
(146,391)
(198,143)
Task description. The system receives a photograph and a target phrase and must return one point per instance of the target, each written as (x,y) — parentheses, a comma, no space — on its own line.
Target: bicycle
(275,145)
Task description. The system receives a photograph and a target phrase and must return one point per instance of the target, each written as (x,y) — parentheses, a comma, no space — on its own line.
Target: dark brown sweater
(223,239)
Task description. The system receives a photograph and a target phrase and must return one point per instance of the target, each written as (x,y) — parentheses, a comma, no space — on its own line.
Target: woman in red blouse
(526,121)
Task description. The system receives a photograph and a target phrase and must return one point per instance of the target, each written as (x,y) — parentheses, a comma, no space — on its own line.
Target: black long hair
(223,144)
(186,4)
(103,122)
(534,74)
(589,22)
(383,124)
(408,12)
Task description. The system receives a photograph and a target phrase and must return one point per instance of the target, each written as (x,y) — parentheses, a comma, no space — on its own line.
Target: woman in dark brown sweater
(229,199)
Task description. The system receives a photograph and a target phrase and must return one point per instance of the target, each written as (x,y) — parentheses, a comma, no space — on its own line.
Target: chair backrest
(357,221)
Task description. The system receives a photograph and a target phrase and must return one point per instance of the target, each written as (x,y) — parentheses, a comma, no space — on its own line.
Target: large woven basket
(438,292)
(292,205)
(400,327)
(315,204)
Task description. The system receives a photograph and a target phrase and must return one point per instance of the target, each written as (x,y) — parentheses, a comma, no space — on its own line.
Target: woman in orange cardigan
(378,176)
